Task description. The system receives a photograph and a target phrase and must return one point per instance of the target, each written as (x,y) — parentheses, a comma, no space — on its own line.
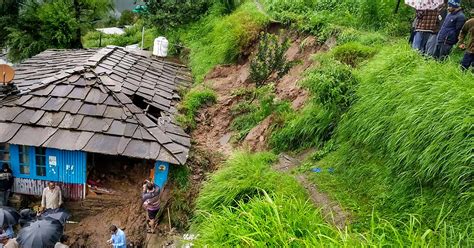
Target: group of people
(51,199)
(437,31)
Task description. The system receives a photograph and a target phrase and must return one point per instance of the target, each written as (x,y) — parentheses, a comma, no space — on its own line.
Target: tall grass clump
(217,39)
(319,16)
(243,177)
(192,102)
(267,221)
(416,114)
(332,86)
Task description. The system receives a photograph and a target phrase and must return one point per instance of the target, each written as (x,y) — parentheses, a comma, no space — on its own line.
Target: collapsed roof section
(113,102)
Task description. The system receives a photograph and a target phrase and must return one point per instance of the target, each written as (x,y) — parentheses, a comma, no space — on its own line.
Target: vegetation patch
(217,39)
(192,102)
(256,106)
(269,59)
(353,53)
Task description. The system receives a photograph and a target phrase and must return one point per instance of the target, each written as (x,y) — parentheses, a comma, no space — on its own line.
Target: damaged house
(65,106)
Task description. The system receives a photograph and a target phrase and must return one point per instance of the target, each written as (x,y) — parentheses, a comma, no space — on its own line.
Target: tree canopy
(43,24)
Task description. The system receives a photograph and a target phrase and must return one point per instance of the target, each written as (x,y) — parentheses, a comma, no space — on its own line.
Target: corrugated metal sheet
(61,166)
(35,187)
(70,165)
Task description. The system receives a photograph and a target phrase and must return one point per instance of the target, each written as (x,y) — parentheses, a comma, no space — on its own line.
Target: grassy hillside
(395,128)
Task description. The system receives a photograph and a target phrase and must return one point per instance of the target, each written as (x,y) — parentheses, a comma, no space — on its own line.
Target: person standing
(426,27)
(452,25)
(52,197)
(118,239)
(467,30)
(151,203)
(6,183)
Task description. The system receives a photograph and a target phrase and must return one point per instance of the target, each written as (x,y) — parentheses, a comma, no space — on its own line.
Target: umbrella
(8,216)
(424,4)
(60,215)
(40,233)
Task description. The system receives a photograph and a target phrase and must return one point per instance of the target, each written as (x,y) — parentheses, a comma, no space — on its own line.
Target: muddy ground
(122,208)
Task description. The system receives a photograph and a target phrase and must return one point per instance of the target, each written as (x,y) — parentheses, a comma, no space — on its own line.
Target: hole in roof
(151,111)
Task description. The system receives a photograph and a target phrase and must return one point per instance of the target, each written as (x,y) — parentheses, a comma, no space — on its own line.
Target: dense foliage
(9,10)
(169,14)
(52,24)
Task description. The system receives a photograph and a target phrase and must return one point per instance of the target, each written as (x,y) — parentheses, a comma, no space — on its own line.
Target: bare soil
(122,208)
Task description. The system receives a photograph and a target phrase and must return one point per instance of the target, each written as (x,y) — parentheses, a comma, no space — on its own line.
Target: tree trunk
(76,43)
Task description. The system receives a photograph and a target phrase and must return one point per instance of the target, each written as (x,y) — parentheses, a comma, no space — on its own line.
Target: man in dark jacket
(452,25)
(467,31)
(6,183)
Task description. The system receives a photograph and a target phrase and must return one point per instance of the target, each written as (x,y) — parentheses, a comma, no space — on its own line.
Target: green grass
(324,18)
(257,105)
(247,204)
(217,39)
(418,115)
(192,102)
(133,35)
(405,147)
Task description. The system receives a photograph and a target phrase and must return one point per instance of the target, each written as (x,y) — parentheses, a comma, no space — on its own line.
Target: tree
(9,10)
(44,24)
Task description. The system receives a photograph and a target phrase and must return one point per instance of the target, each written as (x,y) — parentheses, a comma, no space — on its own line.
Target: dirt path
(331,210)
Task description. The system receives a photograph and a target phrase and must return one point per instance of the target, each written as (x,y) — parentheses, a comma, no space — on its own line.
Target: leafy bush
(320,17)
(127,17)
(249,114)
(191,103)
(230,5)
(269,59)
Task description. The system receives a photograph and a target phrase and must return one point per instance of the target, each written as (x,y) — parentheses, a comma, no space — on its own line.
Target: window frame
(27,152)
(37,165)
(7,149)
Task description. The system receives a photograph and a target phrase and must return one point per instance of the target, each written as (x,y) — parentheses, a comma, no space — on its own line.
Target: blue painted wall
(161,173)
(61,166)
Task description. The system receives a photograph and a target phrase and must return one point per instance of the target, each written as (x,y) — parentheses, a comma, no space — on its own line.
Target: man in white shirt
(52,197)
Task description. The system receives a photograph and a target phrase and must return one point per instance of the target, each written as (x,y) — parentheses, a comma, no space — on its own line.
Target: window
(40,156)
(24,155)
(4,153)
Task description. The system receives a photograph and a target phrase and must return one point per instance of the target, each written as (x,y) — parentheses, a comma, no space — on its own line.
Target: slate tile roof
(84,100)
